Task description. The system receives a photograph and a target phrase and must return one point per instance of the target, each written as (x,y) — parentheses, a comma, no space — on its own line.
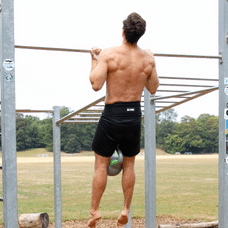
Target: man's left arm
(99,70)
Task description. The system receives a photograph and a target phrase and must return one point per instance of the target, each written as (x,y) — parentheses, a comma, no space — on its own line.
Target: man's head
(134,27)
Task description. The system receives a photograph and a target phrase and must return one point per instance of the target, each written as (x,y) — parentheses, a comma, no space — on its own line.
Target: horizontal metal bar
(29,110)
(161,106)
(85,118)
(183,78)
(95,108)
(81,121)
(172,91)
(183,96)
(52,49)
(90,114)
(169,96)
(171,102)
(189,56)
(88,51)
(186,85)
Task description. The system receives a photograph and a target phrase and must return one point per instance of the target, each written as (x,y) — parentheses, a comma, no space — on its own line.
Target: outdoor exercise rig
(151,105)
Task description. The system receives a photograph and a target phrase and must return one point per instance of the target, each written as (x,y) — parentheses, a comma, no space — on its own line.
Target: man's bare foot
(93,218)
(123,218)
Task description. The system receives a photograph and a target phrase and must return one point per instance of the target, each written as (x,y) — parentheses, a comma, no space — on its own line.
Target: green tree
(196,136)
(72,145)
(64,111)
(84,133)
(209,129)
(45,134)
(32,130)
(165,125)
(22,137)
(169,115)
(173,144)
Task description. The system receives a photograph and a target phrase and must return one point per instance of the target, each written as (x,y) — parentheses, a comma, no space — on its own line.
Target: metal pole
(223,115)
(128,225)
(8,116)
(150,161)
(57,168)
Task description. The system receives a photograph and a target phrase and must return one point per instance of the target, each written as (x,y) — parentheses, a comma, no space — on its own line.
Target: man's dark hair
(134,27)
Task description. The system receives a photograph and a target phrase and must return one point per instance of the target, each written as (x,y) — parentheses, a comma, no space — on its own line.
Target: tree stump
(36,220)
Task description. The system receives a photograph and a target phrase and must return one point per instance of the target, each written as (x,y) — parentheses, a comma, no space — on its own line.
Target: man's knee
(101,162)
(128,163)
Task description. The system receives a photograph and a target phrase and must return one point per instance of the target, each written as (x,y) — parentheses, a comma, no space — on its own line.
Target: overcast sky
(45,79)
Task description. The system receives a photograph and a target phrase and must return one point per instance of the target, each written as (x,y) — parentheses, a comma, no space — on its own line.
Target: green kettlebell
(116,161)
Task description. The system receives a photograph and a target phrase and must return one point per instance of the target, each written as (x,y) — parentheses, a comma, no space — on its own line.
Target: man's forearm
(94,54)
(93,64)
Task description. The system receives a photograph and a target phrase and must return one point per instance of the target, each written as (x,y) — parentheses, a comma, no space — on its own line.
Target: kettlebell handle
(120,157)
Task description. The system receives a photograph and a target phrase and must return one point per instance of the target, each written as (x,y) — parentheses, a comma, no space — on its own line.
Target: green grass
(38,151)
(33,152)
(186,189)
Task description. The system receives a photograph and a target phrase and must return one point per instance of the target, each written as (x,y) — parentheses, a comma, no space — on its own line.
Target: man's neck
(127,44)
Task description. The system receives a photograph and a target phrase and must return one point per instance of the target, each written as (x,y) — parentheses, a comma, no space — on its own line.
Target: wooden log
(36,220)
(192,225)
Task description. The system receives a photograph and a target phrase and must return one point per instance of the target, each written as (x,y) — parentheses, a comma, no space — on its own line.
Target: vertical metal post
(8,115)
(223,114)
(57,168)
(128,225)
(150,161)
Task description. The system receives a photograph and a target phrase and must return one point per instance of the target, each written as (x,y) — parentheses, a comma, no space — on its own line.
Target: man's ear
(123,34)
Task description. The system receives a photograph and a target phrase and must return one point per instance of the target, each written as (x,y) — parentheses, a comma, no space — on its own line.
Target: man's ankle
(94,211)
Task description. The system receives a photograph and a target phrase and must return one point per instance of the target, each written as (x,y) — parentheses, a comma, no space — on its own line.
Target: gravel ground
(111,223)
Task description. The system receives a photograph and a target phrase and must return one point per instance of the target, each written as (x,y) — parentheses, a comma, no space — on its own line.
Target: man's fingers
(96,50)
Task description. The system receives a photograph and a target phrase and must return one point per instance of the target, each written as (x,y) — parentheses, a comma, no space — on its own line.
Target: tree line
(199,135)
(189,135)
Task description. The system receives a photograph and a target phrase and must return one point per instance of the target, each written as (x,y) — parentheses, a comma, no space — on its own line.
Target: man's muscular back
(129,69)
(126,70)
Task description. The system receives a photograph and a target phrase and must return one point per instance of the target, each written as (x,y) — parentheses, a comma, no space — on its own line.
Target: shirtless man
(126,69)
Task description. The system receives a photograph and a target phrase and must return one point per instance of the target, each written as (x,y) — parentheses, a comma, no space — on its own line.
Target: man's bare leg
(128,182)
(99,185)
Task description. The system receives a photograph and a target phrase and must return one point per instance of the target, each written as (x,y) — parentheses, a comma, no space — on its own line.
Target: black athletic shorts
(120,124)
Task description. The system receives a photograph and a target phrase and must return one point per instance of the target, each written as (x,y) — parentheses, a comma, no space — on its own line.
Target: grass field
(187,187)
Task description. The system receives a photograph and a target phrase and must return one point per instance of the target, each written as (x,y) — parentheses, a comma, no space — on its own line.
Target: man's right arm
(152,83)
(99,70)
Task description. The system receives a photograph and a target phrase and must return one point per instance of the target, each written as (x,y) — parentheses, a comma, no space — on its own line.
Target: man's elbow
(154,88)
(96,87)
